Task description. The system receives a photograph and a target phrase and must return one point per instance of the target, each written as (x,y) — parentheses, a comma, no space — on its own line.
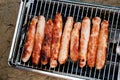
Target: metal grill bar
(114,39)
(48,9)
(78,11)
(36,8)
(104,14)
(82,13)
(40,7)
(96,11)
(44,7)
(57,7)
(53,9)
(112,46)
(87,11)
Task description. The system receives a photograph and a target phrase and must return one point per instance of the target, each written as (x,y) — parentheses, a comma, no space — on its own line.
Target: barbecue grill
(78,10)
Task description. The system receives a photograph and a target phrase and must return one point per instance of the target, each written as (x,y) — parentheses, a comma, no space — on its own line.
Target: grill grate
(78,11)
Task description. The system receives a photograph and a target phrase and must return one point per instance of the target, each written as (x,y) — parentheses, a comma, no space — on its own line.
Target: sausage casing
(93,42)
(74,43)
(39,35)
(28,47)
(85,33)
(57,33)
(46,46)
(102,45)
(63,56)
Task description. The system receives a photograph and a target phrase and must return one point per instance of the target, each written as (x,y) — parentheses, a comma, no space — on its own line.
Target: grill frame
(15,39)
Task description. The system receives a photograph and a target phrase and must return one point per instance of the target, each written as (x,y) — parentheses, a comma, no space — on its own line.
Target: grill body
(78,10)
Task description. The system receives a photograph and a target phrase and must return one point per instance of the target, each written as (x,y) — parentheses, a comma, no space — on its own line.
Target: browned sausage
(63,56)
(93,42)
(57,33)
(38,40)
(85,33)
(102,45)
(46,46)
(28,47)
(74,44)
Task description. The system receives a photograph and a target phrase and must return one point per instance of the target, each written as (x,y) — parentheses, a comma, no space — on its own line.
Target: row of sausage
(48,42)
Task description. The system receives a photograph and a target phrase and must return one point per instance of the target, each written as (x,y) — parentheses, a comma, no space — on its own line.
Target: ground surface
(8,15)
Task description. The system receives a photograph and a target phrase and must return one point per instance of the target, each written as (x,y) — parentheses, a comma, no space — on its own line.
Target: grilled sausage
(63,56)
(28,47)
(85,33)
(46,46)
(102,45)
(74,44)
(57,33)
(93,42)
(38,40)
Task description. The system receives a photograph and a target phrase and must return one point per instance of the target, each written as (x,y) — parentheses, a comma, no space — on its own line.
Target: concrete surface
(8,15)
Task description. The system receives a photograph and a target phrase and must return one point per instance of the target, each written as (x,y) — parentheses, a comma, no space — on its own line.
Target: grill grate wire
(78,11)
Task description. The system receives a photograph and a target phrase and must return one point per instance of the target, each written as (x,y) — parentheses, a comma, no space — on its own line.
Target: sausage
(38,40)
(57,34)
(102,45)
(85,33)
(93,42)
(28,47)
(46,46)
(63,56)
(74,44)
